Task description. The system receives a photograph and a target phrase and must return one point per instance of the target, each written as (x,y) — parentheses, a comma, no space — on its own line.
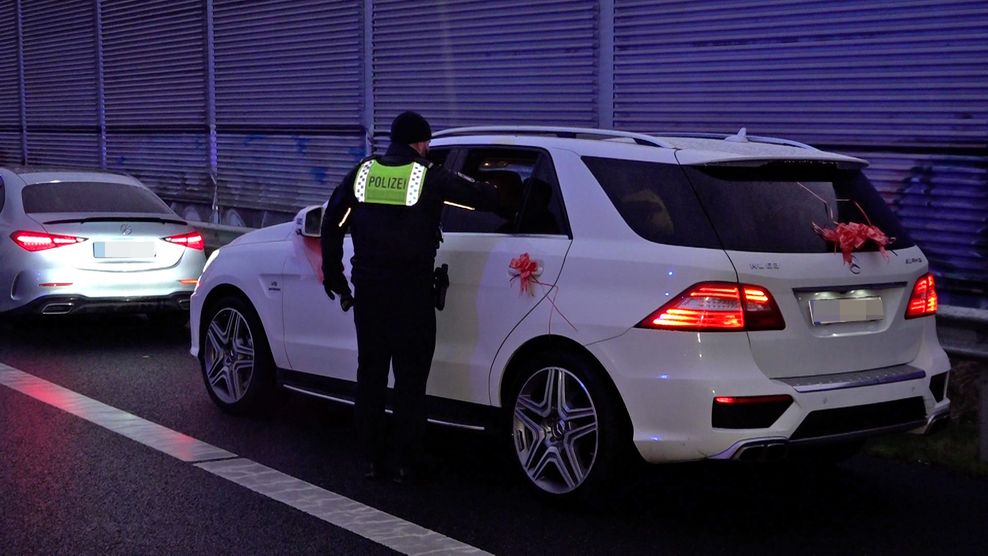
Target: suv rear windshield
(90,197)
(773,206)
(754,206)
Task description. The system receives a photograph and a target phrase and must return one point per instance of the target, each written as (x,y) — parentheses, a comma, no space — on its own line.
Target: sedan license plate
(123,250)
(854,309)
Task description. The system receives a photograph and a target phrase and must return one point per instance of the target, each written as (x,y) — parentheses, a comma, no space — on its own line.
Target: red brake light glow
(41,241)
(753,400)
(192,240)
(718,306)
(923,301)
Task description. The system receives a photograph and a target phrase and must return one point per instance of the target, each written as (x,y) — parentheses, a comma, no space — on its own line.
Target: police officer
(392,205)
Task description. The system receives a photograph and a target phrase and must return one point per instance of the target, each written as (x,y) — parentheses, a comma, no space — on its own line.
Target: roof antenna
(741,137)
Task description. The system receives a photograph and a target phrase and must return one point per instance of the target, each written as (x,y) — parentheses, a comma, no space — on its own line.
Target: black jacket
(389,241)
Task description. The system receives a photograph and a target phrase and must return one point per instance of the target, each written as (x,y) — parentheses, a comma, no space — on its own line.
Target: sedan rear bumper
(80,305)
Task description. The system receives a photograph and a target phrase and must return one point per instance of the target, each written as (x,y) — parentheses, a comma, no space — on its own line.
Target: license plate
(856,309)
(123,250)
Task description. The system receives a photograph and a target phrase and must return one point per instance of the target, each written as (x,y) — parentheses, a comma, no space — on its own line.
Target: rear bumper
(80,305)
(670,398)
(774,448)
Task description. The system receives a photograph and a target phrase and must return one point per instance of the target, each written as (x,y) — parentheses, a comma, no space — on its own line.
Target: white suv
(671,293)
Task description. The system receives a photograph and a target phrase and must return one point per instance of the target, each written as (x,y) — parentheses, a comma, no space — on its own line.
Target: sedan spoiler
(161,219)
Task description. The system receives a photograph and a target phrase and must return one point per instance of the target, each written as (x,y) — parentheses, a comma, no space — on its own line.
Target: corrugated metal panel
(894,80)
(871,72)
(10,148)
(475,62)
(288,100)
(63,149)
(282,173)
(60,62)
(282,62)
(943,202)
(155,94)
(10,110)
(172,165)
(154,62)
(60,81)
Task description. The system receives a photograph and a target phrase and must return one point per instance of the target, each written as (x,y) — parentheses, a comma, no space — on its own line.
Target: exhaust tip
(938,423)
(56,309)
(762,451)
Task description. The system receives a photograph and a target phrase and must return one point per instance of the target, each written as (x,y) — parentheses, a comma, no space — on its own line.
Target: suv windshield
(773,206)
(90,197)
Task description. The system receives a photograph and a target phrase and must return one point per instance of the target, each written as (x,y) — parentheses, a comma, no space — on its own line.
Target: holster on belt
(440,283)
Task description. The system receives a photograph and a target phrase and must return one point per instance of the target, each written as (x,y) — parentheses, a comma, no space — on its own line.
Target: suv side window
(529,192)
(656,201)
(439,156)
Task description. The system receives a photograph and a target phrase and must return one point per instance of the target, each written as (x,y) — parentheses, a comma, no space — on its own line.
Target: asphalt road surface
(71,486)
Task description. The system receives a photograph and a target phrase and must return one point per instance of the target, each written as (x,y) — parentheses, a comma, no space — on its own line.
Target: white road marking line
(338,510)
(395,533)
(150,434)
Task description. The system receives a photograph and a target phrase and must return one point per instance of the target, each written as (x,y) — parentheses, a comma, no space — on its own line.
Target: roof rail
(571,132)
(742,136)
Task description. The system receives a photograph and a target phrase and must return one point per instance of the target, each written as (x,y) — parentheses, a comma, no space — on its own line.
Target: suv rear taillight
(192,240)
(40,241)
(923,301)
(718,306)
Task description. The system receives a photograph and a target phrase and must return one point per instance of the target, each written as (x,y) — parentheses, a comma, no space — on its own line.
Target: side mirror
(309,221)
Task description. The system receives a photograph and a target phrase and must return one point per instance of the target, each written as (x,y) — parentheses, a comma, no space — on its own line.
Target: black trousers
(396,327)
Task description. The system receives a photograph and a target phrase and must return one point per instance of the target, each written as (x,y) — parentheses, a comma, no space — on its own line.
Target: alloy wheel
(229,355)
(555,428)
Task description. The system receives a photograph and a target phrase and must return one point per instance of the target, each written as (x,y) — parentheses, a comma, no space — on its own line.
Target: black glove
(346,301)
(339,286)
(329,289)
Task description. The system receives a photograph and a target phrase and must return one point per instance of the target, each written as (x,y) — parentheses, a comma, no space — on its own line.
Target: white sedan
(77,241)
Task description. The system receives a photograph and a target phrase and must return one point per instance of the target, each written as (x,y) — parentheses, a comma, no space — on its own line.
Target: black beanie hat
(410,127)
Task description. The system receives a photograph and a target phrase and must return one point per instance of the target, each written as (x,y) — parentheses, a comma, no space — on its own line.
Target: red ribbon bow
(848,237)
(527,271)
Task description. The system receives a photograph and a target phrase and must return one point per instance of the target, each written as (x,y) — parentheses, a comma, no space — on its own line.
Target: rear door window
(90,197)
(773,206)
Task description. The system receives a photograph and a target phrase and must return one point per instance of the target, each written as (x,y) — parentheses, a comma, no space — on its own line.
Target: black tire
(566,455)
(235,358)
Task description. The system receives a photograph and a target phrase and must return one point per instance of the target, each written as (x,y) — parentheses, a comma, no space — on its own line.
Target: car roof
(688,148)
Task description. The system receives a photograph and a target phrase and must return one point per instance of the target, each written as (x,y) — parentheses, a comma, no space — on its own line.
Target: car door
(485,299)
(320,339)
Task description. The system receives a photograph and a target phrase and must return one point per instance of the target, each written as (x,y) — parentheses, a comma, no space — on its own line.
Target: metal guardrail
(963,331)
(218,235)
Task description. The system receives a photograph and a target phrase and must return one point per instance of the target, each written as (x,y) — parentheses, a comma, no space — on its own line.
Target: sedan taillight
(923,301)
(192,240)
(718,306)
(40,241)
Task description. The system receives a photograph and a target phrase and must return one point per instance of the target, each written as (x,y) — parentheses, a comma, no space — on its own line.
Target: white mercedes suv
(678,296)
